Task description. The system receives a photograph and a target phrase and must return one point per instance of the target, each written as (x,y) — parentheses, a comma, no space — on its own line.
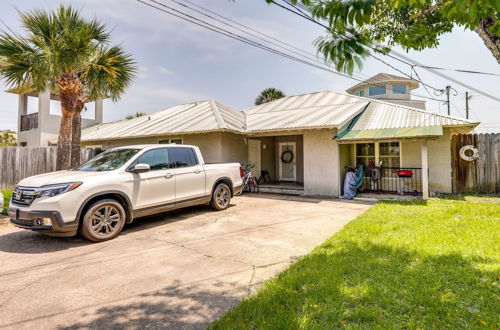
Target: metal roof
(315,110)
(381,120)
(380,114)
(186,118)
(322,109)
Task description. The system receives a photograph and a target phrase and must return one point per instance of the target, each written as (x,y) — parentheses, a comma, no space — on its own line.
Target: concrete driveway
(176,270)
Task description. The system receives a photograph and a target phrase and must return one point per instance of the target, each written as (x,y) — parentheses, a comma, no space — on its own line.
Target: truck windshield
(108,160)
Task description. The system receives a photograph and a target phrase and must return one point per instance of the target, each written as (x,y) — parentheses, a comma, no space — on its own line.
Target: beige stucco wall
(321,163)
(209,143)
(439,156)
(234,148)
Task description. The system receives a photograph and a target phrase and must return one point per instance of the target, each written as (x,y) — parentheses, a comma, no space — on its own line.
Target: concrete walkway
(176,270)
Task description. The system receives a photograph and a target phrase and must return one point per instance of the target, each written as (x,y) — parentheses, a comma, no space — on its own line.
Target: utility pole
(447,90)
(467,98)
(448,98)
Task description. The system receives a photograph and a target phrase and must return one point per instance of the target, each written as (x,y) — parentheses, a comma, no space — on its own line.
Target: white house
(39,117)
(306,141)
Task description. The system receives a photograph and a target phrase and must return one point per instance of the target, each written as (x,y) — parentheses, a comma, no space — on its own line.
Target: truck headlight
(57,189)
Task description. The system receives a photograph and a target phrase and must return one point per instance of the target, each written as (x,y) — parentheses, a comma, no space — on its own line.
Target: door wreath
(287,156)
(469,153)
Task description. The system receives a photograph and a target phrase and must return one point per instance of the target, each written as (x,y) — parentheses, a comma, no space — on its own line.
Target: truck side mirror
(141,168)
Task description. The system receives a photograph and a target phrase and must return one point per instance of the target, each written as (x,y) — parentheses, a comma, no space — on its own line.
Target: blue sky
(181,63)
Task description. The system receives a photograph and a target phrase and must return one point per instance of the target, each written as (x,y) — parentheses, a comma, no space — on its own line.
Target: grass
(6,198)
(400,265)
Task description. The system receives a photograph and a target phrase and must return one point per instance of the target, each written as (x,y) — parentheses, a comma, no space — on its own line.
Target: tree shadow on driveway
(176,306)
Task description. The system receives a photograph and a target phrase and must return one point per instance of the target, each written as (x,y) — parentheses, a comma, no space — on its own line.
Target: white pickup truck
(99,197)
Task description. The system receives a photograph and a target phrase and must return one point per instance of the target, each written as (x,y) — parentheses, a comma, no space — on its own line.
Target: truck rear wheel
(221,197)
(104,220)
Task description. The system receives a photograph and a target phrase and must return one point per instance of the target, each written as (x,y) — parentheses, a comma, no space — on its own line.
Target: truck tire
(103,220)
(221,197)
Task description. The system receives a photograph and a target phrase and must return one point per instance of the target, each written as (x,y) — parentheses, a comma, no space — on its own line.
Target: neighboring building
(306,141)
(389,88)
(37,125)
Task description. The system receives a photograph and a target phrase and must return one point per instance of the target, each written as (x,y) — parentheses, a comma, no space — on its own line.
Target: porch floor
(283,188)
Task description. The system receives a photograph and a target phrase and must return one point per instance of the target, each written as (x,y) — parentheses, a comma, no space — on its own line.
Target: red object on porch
(405,173)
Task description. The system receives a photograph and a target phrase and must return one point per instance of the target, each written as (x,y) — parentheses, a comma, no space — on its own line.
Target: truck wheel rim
(222,197)
(105,220)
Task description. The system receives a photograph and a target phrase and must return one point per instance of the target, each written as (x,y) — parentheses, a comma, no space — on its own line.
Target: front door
(287,158)
(254,156)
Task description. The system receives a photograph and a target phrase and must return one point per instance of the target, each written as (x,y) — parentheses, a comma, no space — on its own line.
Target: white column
(425,171)
(98,110)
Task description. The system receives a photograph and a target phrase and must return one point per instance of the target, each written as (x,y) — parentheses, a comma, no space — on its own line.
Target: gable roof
(386,120)
(307,111)
(315,110)
(193,117)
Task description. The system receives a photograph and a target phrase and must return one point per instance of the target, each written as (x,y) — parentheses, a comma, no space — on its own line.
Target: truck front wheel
(221,197)
(104,220)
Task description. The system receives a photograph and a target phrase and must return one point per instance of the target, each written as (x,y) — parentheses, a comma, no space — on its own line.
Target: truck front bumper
(32,219)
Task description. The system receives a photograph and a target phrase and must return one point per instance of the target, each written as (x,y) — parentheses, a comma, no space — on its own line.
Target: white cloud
(164,70)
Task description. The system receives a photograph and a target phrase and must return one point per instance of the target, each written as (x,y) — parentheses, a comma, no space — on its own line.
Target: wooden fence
(481,175)
(17,163)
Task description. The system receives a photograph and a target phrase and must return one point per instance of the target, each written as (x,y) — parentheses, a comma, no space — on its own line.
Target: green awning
(389,133)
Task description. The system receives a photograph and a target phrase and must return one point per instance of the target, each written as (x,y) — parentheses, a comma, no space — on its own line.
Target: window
(398,89)
(389,154)
(108,160)
(360,93)
(171,141)
(157,159)
(364,153)
(386,152)
(182,157)
(376,90)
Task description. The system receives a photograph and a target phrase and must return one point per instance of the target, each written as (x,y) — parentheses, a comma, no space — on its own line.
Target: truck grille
(23,197)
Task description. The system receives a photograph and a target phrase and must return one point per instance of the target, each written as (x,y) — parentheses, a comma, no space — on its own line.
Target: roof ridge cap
(218,116)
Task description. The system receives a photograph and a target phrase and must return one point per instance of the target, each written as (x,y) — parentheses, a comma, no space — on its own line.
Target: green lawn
(400,265)
(6,196)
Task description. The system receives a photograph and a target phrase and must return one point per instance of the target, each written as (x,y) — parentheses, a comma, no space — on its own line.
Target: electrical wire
(402,57)
(217,29)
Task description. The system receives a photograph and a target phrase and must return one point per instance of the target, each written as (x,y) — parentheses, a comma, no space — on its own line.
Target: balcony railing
(29,122)
(404,180)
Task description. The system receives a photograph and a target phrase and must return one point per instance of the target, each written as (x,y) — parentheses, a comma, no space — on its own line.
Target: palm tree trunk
(76,132)
(490,40)
(64,141)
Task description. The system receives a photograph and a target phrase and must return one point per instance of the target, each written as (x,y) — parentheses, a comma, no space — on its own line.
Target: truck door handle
(168,175)
(197,171)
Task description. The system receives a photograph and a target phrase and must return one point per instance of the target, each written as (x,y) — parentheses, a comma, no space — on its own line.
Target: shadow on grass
(413,202)
(374,286)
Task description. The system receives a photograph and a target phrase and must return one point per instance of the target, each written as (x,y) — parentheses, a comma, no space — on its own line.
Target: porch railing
(29,122)
(402,180)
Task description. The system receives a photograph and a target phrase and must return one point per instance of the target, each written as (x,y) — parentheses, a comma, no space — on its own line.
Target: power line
(261,33)
(459,70)
(343,36)
(403,57)
(214,28)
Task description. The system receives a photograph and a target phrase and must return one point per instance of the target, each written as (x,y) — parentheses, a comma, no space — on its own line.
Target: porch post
(425,171)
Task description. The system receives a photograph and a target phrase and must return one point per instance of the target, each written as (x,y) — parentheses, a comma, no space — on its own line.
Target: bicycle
(249,180)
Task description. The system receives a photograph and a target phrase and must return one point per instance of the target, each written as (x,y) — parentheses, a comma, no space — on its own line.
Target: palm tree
(72,56)
(135,115)
(268,95)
